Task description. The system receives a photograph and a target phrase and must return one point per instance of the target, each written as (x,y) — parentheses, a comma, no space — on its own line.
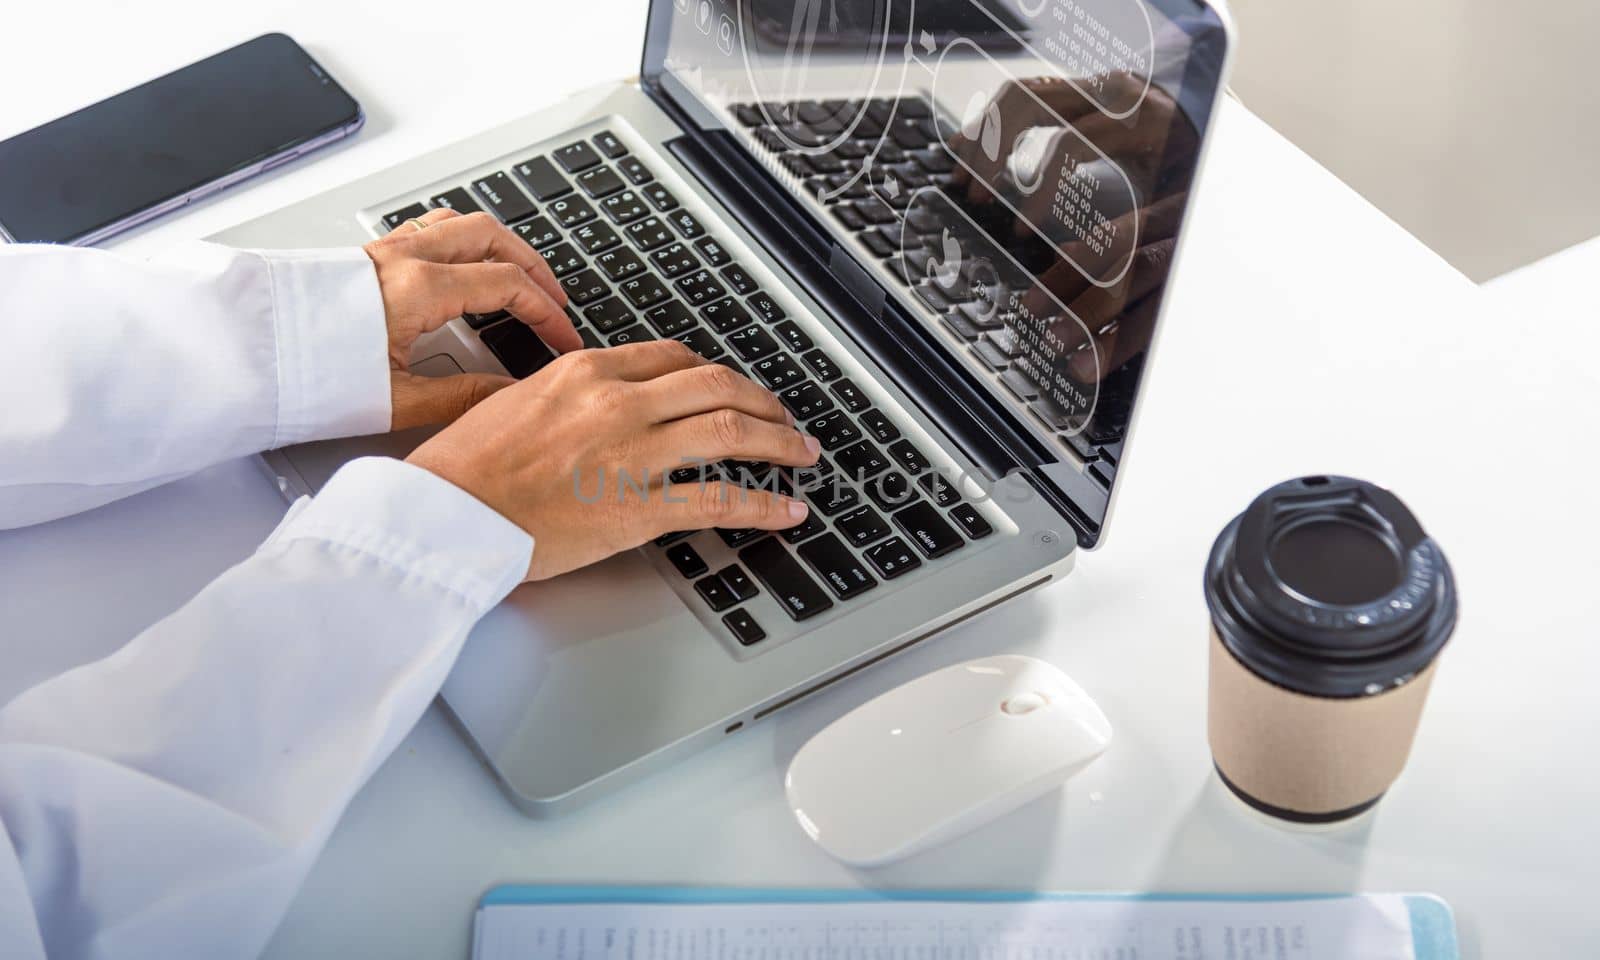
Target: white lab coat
(167,801)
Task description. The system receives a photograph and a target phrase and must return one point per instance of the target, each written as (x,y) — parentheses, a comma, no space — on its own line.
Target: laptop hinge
(857,282)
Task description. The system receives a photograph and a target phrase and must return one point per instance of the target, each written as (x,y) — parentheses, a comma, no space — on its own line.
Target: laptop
(941,232)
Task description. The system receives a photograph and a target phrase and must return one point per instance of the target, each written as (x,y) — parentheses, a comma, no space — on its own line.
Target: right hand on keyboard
(563,453)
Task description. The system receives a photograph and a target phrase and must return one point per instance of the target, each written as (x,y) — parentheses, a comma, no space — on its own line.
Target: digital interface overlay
(1022,167)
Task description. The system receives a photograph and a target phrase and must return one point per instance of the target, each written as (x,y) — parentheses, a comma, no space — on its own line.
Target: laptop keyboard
(637,266)
(877,214)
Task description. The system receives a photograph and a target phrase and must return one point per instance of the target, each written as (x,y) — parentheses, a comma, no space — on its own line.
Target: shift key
(787,581)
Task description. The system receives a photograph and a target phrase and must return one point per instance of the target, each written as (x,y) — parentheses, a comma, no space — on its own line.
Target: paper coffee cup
(1329,605)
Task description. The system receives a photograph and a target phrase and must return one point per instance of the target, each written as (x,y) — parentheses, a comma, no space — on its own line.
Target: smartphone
(169,142)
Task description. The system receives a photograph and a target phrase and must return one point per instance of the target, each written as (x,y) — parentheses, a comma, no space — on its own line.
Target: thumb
(418,401)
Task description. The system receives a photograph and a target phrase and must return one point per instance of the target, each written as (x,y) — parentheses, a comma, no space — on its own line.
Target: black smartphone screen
(75,179)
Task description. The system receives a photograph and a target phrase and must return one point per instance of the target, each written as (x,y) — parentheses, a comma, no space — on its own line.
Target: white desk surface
(1307,334)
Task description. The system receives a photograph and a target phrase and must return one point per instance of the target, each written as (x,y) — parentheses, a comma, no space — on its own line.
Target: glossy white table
(1307,334)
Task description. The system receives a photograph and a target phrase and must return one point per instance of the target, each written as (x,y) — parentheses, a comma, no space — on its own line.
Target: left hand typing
(458,264)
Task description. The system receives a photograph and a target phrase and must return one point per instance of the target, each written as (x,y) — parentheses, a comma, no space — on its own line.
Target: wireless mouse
(941,755)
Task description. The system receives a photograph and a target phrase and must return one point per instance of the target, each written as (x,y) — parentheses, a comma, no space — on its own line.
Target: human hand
(458,264)
(578,453)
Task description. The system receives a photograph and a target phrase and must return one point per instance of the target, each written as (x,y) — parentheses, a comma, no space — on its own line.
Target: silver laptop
(942,232)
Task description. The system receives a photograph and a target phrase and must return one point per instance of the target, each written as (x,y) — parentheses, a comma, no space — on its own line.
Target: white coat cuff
(333,344)
(418,523)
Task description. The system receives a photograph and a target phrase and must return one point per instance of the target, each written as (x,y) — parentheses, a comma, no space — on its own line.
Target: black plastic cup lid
(1329,586)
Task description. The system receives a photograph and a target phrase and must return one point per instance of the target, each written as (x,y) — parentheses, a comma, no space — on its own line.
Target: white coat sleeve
(121,374)
(168,801)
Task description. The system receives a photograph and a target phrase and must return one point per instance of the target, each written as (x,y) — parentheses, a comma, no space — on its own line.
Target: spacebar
(797,593)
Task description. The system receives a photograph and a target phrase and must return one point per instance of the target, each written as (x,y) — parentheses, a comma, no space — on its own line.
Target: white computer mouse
(941,755)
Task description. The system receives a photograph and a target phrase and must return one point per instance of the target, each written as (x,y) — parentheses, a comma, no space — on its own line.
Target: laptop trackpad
(552,644)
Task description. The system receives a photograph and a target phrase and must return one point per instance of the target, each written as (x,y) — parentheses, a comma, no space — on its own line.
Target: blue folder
(1433,927)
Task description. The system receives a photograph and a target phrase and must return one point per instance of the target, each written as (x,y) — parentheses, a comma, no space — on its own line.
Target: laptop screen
(1015,173)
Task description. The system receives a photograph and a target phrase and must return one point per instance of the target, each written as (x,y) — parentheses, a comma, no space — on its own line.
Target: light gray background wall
(1473,123)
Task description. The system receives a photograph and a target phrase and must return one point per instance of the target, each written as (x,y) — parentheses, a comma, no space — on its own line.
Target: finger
(647,361)
(418,401)
(1122,343)
(708,387)
(1099,306)
(727,506)
(729,434)
(435,216)
(479,236)
(487,287)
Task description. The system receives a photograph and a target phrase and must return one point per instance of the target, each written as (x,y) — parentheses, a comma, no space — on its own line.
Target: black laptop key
(862,526)
(765,307)
(714,252)
(634,169)
(619,264)
(846,576)
(584,287)
(518,347)
(890,491)
(792,336)
(778,372)
(805,400)
(740,282)
(847,215)
(970,521)
(670,318)
(812,526)
(726,315)
(702,342)
(395,218)
(590,340)
(609,315)
(648,234)
(660,197)
(542,179)
(785,579)
(478,321)
(624,208)
(744,627)
(739,537)
(563,259)
(873,210)
(609,144)
(738,582)
(878,245)
(752,343)
(645,291)
(571,211)
(539,232)
(878,424)
(909,457)
(503,198)
(925,527)
(833,430)
(686,224)
(457,199)
(674,260)
(850,396)
(715,593)
(893,557)
(600,182)
(822,365)
(700,288)
(940,488)
(861,460)
(634,334)
(688,562)
(577,157)
(595,237)
(833,496)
